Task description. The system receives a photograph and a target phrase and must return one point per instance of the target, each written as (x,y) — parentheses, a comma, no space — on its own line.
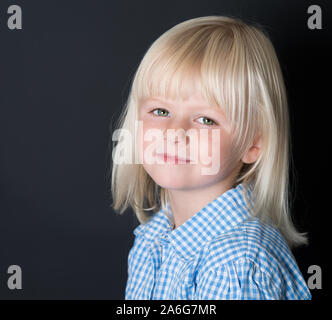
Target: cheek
(147,139)
(218,145)
(219,160)
(223,145)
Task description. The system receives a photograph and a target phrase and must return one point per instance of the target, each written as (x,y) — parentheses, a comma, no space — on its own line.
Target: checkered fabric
(219,253)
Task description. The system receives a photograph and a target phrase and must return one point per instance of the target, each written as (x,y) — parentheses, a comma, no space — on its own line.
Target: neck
(186,203)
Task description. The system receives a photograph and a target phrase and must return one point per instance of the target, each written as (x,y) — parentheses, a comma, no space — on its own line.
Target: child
(218,232)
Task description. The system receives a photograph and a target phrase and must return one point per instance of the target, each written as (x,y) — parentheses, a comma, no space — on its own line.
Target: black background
(63,80)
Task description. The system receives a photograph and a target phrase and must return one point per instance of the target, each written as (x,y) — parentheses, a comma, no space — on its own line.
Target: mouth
(173,159)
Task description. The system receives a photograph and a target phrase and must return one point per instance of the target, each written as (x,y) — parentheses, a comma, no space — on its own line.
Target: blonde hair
(238,70)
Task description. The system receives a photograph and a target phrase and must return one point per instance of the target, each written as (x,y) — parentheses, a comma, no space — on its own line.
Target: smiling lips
(173,159)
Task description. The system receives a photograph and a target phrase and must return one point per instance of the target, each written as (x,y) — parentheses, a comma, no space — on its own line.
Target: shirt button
(164,239)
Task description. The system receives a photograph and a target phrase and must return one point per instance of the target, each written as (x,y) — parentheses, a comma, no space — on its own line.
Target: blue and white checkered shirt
(216,254)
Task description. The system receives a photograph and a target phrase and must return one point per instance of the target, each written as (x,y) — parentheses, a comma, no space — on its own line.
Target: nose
(176,134)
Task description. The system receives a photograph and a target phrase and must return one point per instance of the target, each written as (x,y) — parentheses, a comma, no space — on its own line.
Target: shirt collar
(220,215)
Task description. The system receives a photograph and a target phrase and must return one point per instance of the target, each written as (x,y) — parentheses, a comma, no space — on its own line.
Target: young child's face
(192,114)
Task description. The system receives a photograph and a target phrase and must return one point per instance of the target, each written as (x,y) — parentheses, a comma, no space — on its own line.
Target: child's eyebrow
(198,106)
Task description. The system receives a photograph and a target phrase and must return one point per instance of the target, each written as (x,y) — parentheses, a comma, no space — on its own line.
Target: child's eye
(207,121)
(160,112)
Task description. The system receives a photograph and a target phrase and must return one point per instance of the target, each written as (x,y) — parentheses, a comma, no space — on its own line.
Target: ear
(254,151)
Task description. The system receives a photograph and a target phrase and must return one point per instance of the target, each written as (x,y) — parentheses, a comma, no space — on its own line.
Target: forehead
(191,100)
(171,88)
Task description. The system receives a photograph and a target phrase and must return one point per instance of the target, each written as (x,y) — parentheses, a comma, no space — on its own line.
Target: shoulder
(255,253)
(252,239)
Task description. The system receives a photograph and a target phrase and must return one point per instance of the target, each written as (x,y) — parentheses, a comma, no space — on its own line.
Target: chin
(171,181)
